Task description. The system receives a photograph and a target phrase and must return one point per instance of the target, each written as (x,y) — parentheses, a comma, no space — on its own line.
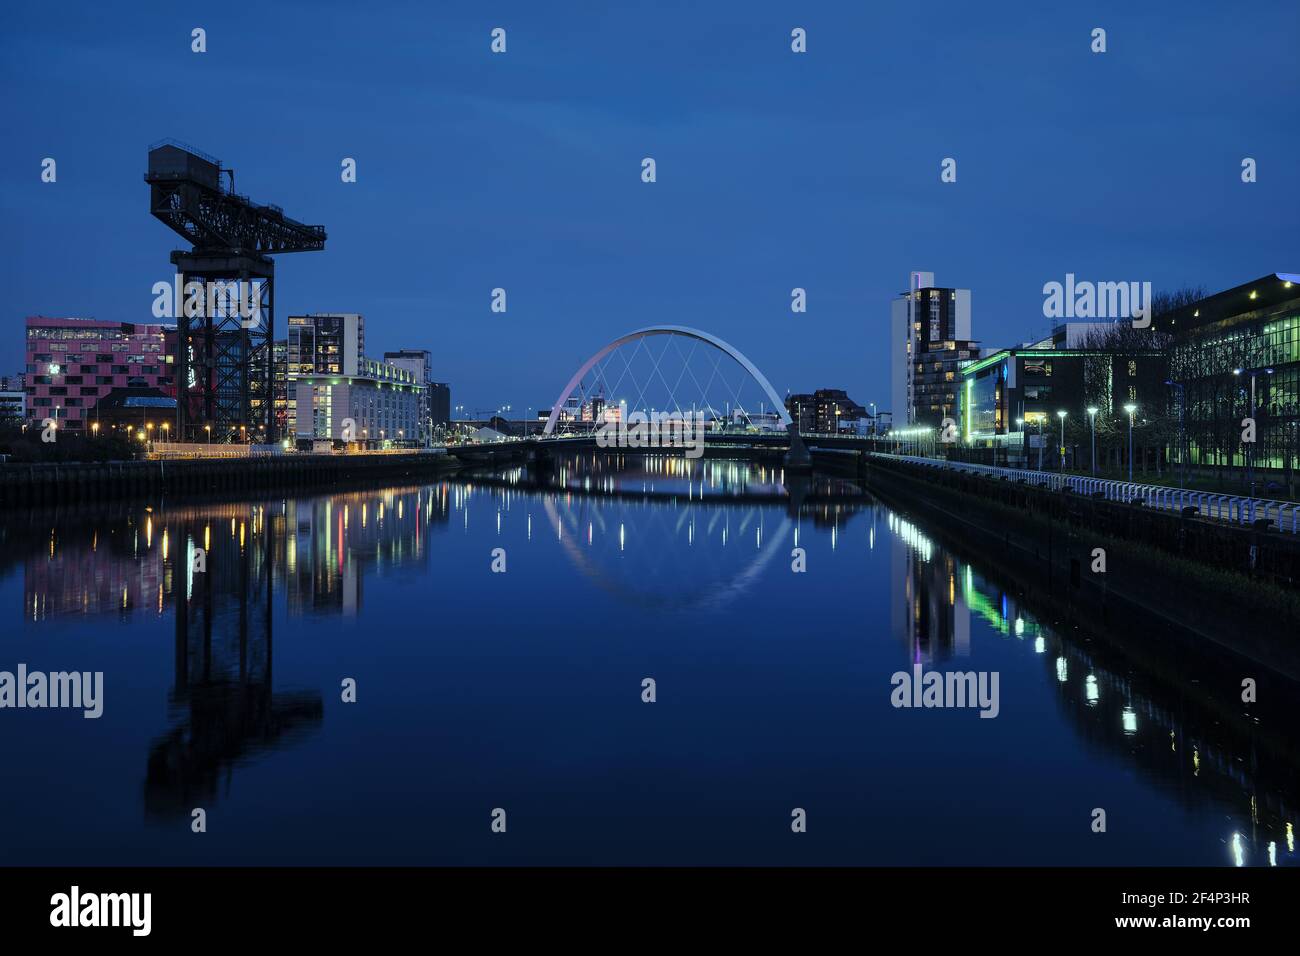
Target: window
(1132,369)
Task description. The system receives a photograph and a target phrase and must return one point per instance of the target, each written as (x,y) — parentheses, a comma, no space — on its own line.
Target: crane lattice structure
(225,378)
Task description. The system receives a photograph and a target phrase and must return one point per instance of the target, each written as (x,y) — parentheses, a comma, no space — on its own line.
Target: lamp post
(1061,415)
(1020,427)
(1182,431)
(1130,409)
(1092,427)
(1250,454)
(208,429)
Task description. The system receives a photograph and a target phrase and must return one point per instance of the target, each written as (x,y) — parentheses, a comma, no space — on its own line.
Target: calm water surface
(522,690)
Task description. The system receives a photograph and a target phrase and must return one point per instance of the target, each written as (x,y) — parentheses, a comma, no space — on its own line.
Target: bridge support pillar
(797,457)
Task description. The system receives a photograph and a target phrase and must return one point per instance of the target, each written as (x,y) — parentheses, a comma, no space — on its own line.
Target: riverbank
(1234,586)
(30,485)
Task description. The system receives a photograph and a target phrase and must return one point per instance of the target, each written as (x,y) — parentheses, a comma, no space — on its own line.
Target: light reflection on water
(479,689)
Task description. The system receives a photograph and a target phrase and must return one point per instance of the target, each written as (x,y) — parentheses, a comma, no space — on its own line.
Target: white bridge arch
(712,340)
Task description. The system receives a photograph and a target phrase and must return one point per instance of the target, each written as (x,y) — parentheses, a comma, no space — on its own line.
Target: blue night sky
(775,170)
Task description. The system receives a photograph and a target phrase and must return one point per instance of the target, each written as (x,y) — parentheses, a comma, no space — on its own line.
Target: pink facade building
(73,363)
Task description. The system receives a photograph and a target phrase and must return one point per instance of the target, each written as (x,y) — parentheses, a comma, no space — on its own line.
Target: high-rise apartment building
(325,343)
(930,340)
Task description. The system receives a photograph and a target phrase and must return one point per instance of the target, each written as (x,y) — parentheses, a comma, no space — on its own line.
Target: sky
(775,169)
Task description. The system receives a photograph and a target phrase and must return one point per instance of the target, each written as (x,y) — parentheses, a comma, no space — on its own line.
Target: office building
(1225,347)
(73,362)
(1011,399)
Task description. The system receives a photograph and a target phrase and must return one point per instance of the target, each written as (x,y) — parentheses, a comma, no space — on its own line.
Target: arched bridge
(642,382)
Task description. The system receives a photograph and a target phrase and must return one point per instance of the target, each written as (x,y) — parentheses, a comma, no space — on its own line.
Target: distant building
(379,406)
(325,343)
(825,411)
(440,403)
(13,406)
(72,363)
(930,339)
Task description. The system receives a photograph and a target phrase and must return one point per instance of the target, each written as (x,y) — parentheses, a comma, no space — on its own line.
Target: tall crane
(225,381)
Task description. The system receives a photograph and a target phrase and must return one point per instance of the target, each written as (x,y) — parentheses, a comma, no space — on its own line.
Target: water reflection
(653,536)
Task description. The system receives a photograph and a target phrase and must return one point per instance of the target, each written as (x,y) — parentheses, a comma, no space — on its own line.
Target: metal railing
(1236,509)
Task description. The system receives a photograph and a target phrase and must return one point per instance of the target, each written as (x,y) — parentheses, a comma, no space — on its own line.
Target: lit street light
(1092,426)
(1061,415)
(1250,453)
(1130,409)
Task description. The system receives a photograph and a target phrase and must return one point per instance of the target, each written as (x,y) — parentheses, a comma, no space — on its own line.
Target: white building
(379,407)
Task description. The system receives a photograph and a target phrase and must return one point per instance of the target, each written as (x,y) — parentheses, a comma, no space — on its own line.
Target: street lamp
(1092,426)
(1130,409)
(1182,430)
(208,429)
(1061,415)
(94,429)
(1250,455)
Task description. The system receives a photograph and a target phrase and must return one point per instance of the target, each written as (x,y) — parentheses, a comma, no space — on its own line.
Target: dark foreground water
(522,690)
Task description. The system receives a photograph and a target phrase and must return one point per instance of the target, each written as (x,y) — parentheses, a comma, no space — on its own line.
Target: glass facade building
(1228,347)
